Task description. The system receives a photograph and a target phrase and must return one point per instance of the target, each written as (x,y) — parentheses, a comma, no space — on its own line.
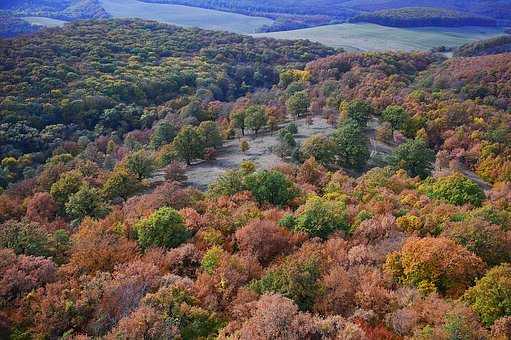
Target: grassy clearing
(184,16)
(43,21)
(371,37)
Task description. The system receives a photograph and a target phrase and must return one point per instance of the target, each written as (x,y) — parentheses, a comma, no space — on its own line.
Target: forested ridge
(101,237)
(423,16)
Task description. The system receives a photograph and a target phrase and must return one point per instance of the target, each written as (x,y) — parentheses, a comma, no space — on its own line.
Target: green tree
(320,147)
(255,118)
(164,133)
(68,184)
(296,279)
(298,104)
(357,110)
(320,217)
(350,145)
(398,117)
(120,183)
(227,184)
(210,134)
(415,157)
(238,120)
(86,202)
(491,296)
(140,164)
(271,187)
(456,189)
(163,228)
(188,144)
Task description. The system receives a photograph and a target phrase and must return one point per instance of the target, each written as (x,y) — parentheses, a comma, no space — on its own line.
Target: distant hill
(58,9)
(423,16)
(485,47)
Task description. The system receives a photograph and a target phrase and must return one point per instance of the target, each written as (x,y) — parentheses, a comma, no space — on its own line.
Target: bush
(164,228)
(86,202)
(491,296)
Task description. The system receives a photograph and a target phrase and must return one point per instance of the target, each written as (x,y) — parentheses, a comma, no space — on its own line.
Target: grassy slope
(184,16)
(370,37)
(43,21)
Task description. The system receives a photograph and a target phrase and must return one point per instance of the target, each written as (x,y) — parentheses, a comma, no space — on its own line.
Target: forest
(423,16)
(331,242)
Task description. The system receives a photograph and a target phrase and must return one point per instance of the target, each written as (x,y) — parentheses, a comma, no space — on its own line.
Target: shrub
(164,228)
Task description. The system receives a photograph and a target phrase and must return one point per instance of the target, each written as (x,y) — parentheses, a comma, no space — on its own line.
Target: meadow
(43,21)
(371,37)
(184,16)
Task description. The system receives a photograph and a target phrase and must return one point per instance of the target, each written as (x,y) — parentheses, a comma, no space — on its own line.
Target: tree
(415,157)
(255,118)
(295,278)
(262,239)
(41,207)
(271,187)
(398,117)
(188,144)
(435,264)
(321,148)
(227,184)
(68,184)
(120,183)
(210,134)
(488,241)
(456,189)
(320,217)
(298,104)
(357,110)
(140,164)
(164,228)
(25,237)
(237,118)
(490,298)
(86,202)
(164,133)
(350,145)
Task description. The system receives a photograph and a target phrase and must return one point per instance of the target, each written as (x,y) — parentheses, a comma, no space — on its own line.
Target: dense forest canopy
(423,16)
(390,221)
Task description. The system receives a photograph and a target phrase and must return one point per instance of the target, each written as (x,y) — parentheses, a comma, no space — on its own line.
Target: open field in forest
(43,21)
(184,16)
(371,37)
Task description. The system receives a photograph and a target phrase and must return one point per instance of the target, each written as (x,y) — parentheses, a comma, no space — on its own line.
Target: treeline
(423,16)
(496,45)
(65,10)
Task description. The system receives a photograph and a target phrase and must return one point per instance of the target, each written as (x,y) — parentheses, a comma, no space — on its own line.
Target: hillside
(65,10)
(495,45)
(423,16)
(158,182)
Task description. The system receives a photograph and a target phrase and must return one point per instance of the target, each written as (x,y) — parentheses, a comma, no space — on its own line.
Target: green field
(43,21)
(184,16)
(370,37)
